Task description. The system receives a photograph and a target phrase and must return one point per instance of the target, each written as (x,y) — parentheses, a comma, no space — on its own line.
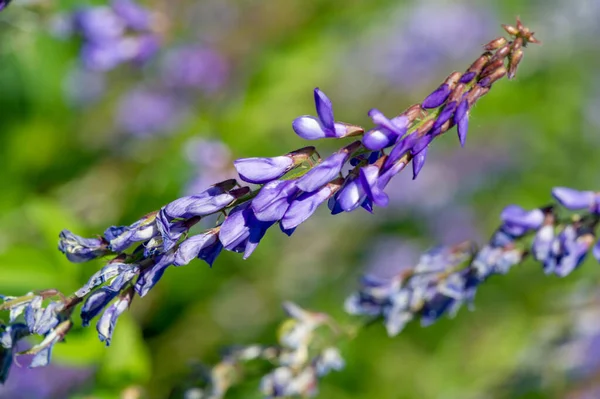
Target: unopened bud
(491,68)
(511,30)
(457,93)
(412,113)
(301,155)
(476,93)
(496,75)
(515,59)
(453,79)
(517,44)
(495,44)
(501,53)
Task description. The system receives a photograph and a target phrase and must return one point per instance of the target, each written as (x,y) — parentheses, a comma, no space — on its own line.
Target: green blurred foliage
(64,167)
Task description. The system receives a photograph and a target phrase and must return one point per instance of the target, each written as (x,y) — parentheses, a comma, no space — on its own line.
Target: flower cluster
(290,188)
(445,278)
(299,359)
(113,35)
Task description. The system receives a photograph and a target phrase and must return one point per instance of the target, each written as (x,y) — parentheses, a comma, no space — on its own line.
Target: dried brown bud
(501,53)
(517,44)
(476,93)
(511,30)
(413,112)
(452,79)
(496,75)
(515,59)
(491,68)
(457,93)
(479,63)
(495,44)
(520,26)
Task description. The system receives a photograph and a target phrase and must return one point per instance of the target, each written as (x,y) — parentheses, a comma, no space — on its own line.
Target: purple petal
(517,216)
(437,98)
(461,118)
(132,14)
(234,230)
(262,170)
(309,128)
(107,322)
(422,143)
(324,109)
(445,115)
(467,77)
(397,125)
(149,277)
(94,303)
(197,205)
(542,243)
(303,207)
(573,199)
(404,145)
(273,200)
(79,249)
(351,195)
(418,162)
(210,252)
(323,173)
(190,248)
(377,139)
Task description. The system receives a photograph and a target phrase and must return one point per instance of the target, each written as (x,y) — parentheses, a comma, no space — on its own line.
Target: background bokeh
(82,150)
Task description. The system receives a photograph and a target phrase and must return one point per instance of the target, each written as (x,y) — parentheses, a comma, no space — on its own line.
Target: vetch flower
(107,322)
(153,273)
(242,231)
(386,133)
(273,200)
(209,201)
(574,199)
(441,94)
(263,170)
(78,249)
(95,303)
(303,206)
(327,170)
(194,246)
(311,128)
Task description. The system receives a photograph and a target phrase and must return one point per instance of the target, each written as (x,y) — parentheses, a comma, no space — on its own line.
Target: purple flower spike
(351,195)
(573,199)
(263,170)
(192,247)
(273,200)
(418,162)
(438,97)
(306,204)
(461,119)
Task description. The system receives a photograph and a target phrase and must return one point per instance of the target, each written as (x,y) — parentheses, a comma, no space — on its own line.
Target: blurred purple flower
(50,382)
(195,67)
(144,112)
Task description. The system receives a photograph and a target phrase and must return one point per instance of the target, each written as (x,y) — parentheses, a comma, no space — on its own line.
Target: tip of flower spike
(521,31)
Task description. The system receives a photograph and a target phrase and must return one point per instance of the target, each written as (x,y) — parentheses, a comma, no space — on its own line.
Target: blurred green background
(63,165)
